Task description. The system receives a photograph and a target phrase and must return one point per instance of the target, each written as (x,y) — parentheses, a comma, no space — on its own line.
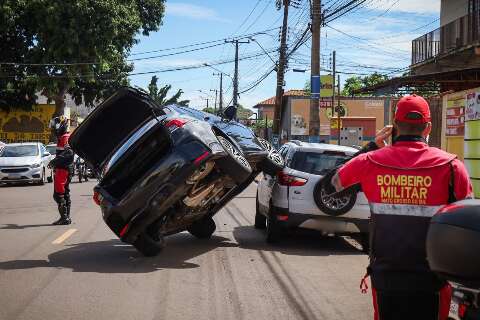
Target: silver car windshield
(19,151)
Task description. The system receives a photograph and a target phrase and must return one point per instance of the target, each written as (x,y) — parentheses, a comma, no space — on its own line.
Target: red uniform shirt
(405,185)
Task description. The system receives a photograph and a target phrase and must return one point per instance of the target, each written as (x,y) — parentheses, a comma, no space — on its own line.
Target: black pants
(411,305)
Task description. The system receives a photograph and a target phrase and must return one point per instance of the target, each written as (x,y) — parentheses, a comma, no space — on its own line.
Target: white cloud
(413,6)
(192,11)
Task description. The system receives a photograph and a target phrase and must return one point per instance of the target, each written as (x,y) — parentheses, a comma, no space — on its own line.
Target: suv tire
(260,219)
(149,245)
(234,164)
(273,162)
(202,229)
(331,205)
(274,231)
(364,240)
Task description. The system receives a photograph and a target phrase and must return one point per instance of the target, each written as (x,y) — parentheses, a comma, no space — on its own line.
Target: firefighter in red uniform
(63,165)
(405,184)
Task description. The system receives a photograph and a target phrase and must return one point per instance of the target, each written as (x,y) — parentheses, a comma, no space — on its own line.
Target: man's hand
(383,135)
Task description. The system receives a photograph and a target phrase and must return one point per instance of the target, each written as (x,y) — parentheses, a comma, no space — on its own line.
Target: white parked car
(52,149)
(288,200)
(25,162)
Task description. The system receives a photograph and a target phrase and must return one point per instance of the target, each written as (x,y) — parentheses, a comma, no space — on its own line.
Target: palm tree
(160,95)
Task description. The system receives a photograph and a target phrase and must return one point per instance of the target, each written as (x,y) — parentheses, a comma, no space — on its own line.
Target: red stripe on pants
(60,180)
(375,304)
(445,296)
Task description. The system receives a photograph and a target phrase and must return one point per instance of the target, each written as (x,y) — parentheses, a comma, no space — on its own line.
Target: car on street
(52,149)
(24,162)
(291,199)
(166,169)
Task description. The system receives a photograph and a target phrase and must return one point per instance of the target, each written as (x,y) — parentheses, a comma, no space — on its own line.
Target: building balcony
(447,40)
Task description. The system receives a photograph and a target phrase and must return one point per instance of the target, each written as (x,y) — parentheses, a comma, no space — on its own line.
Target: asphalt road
(82,271)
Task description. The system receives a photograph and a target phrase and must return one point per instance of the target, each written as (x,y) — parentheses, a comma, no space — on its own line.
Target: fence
(455,35)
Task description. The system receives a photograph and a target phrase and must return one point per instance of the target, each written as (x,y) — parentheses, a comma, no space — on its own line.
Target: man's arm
(348,174)
(462,186)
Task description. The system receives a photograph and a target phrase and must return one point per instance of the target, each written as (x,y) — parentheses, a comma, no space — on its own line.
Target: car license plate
(14,176)
(454,309)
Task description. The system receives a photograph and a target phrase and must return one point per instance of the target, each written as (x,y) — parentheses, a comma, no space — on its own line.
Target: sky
(375,37)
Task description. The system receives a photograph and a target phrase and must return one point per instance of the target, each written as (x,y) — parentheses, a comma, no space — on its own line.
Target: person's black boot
(62,209)
(67,214)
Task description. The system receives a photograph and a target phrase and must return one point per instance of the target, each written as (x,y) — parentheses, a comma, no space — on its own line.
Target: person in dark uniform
(406,184)
(63,168)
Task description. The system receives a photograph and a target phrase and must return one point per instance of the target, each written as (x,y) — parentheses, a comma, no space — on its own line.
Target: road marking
(64,236)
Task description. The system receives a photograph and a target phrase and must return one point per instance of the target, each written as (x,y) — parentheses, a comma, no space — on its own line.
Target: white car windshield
(52,149)
(19,151)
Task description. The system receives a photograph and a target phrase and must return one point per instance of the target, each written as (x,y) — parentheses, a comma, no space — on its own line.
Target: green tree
(243,113)
(160,94)
(75,47)
(209,110)
(355,83)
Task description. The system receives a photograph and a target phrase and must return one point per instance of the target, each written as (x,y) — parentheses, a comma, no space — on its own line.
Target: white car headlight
(36,165)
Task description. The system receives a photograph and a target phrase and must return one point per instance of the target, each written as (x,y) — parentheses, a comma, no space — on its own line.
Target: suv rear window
(317,163)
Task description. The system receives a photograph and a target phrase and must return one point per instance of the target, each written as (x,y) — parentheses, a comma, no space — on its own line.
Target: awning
(456,80)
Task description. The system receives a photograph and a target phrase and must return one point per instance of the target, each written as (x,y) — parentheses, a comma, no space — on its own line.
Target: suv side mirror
(229,112)
(47,154)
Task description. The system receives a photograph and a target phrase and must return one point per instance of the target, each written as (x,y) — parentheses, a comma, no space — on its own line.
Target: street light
(218,70)
(263,49)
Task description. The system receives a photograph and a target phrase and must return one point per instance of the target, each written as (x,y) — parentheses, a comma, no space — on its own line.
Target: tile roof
(271,101)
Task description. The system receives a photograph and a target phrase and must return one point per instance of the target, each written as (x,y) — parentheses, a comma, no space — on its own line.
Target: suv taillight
(175,124)
(290,181)
(97,198)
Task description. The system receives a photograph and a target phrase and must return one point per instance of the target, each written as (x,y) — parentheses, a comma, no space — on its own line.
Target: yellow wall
(467,147)
(24,126)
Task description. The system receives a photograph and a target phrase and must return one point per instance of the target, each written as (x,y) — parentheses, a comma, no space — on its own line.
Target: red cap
(413,109)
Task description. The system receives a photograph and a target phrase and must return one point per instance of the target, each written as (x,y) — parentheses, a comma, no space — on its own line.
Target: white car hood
(18,161)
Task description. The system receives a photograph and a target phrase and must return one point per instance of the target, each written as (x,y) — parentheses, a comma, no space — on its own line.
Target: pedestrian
(405,184)
(63,167)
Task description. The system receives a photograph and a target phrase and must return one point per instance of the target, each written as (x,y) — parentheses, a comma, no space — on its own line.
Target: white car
(25,162)
(289,200)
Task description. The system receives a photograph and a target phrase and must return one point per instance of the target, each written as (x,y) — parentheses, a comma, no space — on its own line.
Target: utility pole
(334,69)
(220,100)
(277,117)
(338,111)
(314,124)
(235,75)
(215,104)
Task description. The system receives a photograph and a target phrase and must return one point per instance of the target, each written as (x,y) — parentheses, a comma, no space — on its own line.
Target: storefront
(461,132)
(367,113)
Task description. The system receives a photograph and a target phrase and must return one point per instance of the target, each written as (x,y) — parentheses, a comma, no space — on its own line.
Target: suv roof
(320,147)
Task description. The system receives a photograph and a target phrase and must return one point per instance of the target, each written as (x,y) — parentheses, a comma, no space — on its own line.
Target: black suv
(164,170)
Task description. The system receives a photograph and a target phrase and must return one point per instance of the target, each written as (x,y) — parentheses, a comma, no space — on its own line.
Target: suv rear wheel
(149,245)
(331,205)
(202,229)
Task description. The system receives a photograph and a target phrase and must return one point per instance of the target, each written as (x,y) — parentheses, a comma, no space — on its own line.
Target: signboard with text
(26,126)
(455,124)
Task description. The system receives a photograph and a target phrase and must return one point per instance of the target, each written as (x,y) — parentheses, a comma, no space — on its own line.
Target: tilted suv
(166,169)
(289,199)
